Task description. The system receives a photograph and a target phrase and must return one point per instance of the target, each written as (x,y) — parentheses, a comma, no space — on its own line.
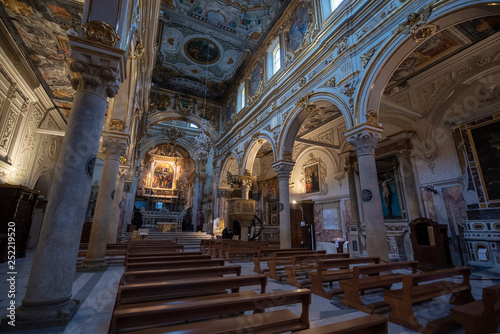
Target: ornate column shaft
(283,168)
(365,138)
(115,210)
(355,220)
(96,252)
(47,301)
(197,196)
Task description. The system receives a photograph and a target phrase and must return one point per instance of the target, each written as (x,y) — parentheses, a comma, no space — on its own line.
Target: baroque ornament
(116,125)
(365,58)
(415,20)
(100,32)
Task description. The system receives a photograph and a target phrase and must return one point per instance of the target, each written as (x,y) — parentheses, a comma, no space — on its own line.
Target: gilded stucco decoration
(116,125)
(365,58)
(372,117)
(415,20)
(158,102)
(100,32)
(185,104)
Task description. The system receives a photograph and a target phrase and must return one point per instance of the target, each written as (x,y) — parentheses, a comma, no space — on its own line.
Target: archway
(428,96)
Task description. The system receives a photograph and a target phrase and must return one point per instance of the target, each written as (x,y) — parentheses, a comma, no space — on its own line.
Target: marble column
(365,138)
(355,224)
(409,185)
(47,301)
(283,168)
(115,209)
(96,251)
(197,196)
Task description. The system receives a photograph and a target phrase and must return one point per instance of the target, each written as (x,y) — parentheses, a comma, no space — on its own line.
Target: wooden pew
(334,270)
(370,324)
(481,316)
(265,255)
(353,287)
(149,276)
(242,249)
(161,319)
(176,289)
(152,250)
(303,264)
(281,259)
(402,300)
(166,258)
(172,264)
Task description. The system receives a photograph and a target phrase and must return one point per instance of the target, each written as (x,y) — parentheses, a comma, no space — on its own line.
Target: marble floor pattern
(97,292)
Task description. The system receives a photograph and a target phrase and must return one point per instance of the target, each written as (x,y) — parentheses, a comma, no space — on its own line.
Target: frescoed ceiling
(204,44)
(39,29)
(440,47)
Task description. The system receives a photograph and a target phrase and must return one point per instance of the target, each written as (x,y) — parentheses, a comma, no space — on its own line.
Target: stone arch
(231,164)
(43,184)
(158,141)
(249,158)
(298,114)
(399,46)
(171,115)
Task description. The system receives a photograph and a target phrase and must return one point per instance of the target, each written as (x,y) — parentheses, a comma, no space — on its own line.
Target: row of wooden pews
(357,275)
(166,295)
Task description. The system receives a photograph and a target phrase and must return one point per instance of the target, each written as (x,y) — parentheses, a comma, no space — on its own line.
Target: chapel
(343,126)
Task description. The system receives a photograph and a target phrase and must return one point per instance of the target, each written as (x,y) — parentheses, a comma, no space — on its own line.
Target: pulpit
(242,210)
(17,205)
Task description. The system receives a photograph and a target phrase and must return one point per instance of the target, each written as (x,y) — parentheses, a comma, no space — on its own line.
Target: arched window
(276,58)
(334,4)
(241,96)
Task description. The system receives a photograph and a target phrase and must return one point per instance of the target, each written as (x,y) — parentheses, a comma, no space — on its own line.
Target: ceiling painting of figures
(205,44)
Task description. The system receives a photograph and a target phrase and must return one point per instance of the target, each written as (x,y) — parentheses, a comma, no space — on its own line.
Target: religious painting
(486,143)
(255,80)
(202,51)
(298,28)
(163,176)
(389,194)
(330,219)
(311,174)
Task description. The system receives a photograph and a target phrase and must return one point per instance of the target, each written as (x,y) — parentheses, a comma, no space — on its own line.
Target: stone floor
(97,292)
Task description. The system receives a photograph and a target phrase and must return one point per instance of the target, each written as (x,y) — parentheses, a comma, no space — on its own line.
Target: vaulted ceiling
(204,44)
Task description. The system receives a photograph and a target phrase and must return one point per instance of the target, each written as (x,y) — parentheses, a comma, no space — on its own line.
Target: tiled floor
(97,292)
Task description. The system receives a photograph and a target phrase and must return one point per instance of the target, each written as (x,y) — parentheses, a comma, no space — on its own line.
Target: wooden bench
(161,291)
(160,275)
(172,264)
(402,300)
(304,264)
(242,249)
(281,259)
(166,258)
(329,271)
(265,255)
(161,319)
(370,324)
(353,287)
(481,316)
(151,250)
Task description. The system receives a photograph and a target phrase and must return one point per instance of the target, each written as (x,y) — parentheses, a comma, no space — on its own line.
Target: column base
(92,265)
(40,316)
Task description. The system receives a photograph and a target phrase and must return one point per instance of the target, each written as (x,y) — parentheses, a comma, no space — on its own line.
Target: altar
(167,226)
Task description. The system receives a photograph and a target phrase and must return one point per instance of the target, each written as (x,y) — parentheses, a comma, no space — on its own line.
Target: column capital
(283,168)
(113,148)
(364,138)
(224,192)
(96,67)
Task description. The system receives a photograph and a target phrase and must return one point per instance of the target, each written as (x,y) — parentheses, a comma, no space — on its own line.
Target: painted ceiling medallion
(202,51)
